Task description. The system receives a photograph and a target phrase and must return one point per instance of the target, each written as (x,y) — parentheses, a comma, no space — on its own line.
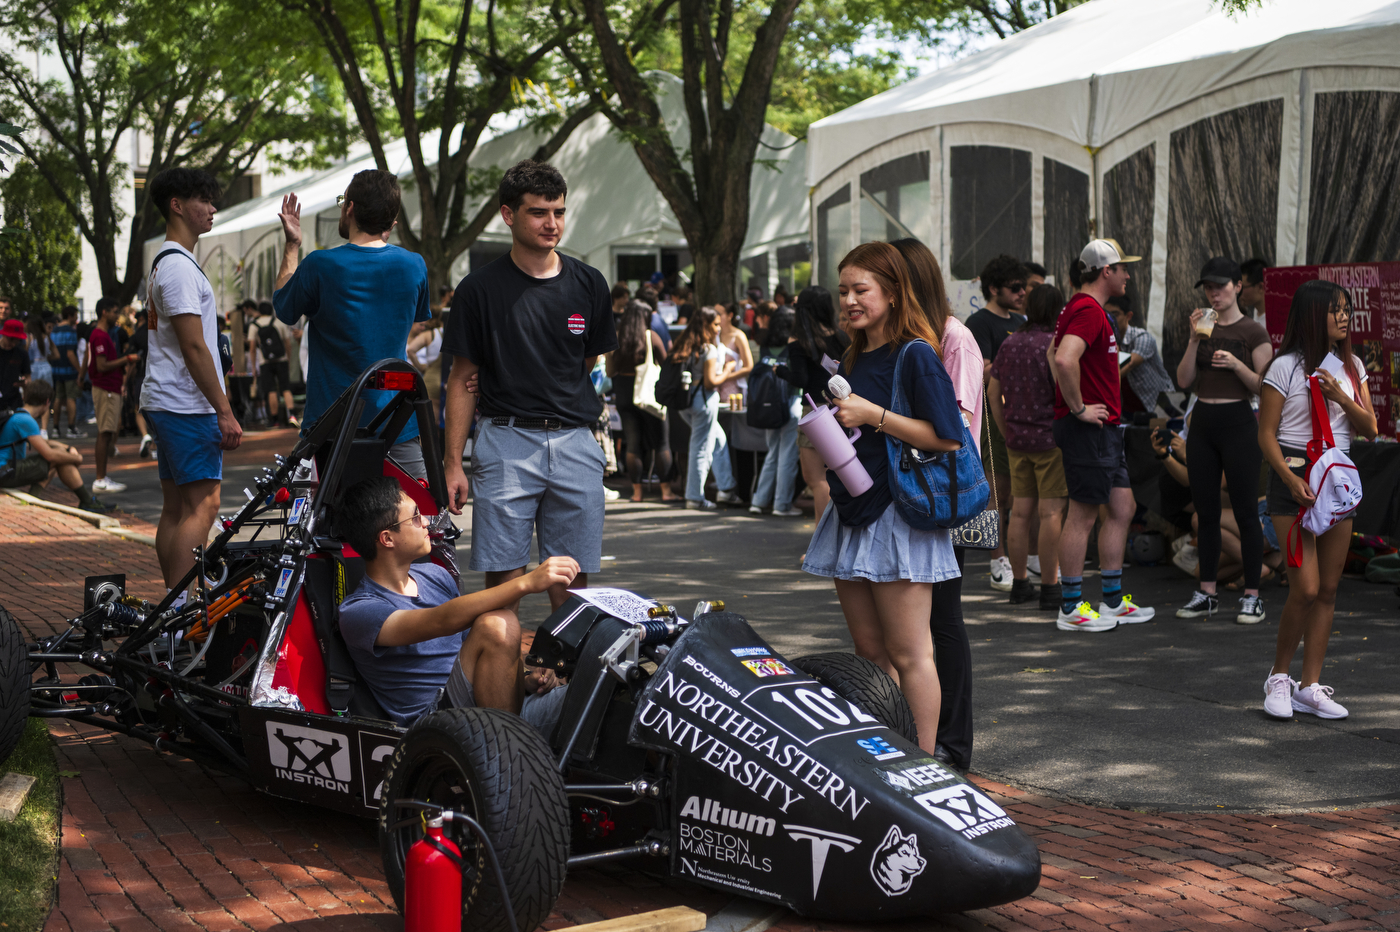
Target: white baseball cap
(1101,253)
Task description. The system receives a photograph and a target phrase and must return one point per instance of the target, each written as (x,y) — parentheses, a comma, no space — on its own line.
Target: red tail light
(394,381)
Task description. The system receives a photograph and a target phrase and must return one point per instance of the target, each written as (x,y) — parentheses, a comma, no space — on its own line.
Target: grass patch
(28,845)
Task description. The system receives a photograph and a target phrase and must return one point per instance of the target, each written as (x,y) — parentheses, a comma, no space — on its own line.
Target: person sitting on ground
(411,636)
(35,459)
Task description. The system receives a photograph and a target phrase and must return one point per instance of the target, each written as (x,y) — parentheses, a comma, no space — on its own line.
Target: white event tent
(617,222)
(1179,129)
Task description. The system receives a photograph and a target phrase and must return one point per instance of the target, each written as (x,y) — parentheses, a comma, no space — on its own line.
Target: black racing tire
(499,770)
(860,681)
(14,684)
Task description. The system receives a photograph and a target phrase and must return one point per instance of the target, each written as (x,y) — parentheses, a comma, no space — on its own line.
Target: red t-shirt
(1098,367)
(104,348)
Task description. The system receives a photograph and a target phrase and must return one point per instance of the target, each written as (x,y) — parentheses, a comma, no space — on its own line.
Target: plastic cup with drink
(1205,325)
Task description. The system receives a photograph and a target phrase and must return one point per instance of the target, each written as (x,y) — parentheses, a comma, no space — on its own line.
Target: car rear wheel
(14,684)
(496,768)
(860,681)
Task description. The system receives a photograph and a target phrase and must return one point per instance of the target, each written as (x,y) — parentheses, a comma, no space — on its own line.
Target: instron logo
(962,808)
(309,755)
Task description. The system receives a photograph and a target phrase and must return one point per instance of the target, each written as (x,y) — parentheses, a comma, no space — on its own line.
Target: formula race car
(687,745)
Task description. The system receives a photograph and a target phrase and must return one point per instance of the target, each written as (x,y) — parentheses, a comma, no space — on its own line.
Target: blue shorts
(536,483)
(187,446)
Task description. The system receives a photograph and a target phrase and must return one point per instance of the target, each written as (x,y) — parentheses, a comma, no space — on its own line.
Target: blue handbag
(933,490)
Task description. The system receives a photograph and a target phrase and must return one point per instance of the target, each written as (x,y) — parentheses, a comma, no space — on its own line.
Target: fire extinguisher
(433,882)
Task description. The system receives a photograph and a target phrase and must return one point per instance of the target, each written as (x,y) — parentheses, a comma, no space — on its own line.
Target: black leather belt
(533,423)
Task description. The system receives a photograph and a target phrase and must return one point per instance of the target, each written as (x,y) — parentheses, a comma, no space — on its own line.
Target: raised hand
(290,215)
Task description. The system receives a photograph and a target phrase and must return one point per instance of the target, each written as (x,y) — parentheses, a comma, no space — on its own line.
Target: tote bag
(644,387)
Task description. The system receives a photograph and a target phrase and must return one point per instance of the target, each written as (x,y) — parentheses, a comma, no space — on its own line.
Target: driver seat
(329,579)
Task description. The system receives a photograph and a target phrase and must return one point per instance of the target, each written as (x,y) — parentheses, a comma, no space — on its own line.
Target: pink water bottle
(835,447)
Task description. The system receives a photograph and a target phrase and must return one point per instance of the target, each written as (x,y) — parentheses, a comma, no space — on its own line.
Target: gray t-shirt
(404,679)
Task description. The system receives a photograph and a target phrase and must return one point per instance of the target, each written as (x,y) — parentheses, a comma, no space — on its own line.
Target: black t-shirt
(532,337)
(991,329)
(14,364)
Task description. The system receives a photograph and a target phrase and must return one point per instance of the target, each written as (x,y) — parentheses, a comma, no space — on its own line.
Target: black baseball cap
(1222,270)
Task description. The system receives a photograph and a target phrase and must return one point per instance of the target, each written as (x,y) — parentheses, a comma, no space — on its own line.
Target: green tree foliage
(205,83)
(435,73)
(39,259)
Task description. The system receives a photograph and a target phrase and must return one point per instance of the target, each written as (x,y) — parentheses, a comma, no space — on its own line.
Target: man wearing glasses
(363,296)
(416,643)
(1004,289)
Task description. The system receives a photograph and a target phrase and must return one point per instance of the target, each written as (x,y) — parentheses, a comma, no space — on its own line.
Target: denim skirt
(884,551)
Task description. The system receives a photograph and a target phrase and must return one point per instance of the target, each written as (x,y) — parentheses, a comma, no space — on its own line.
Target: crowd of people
(1040,381)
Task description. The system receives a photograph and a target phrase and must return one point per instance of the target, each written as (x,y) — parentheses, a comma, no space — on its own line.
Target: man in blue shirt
(28,459)
(412,637)
(65,370)
(363,298)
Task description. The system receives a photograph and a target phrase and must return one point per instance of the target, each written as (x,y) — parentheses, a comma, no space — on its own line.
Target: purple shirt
(1028,393)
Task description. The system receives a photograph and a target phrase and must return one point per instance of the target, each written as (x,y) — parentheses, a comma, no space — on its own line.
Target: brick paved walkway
(155,842)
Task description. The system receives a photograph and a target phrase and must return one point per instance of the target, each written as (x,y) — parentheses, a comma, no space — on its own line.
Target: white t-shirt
(1295,426)
(432,352)
(177,286)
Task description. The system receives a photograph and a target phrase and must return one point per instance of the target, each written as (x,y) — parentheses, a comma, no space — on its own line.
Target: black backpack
(270,343)
(669,389)
(7,472)
(768,395)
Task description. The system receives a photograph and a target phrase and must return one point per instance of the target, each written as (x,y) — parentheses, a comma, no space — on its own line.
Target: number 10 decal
(808,711)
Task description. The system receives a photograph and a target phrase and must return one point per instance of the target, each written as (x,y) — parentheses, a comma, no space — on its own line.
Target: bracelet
(880,427)
(1082,409)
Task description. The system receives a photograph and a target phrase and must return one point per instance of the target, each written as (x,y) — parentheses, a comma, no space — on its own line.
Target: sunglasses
(417,519)
(340,200)
(1016,288)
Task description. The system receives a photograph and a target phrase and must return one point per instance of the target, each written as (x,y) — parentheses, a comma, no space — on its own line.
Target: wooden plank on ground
(13,790)
(675,919)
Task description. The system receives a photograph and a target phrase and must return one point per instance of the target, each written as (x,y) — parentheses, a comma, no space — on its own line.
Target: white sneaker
(1033,567)
(145,449)
(755,510)
(789,512)
(1002,577)
(1187,559)
(1084,618)
(1278,695)
(728,498)
(611,495)
(1183,541)
(1317,700)
(107,485)
(1127,613)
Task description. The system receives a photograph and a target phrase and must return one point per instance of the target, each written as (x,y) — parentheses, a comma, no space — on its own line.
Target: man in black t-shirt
(1004,288)
(529,328)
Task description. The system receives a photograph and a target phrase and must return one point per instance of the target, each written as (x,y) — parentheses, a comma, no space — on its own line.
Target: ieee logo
(879,748)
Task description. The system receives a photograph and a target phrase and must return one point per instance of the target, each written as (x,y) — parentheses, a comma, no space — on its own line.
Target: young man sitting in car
(411,635)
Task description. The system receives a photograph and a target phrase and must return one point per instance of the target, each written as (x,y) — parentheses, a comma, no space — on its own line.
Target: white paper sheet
(621,604)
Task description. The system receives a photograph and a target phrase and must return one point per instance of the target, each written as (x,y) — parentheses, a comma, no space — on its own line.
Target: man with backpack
(271,338)
(183,394)
(776,406)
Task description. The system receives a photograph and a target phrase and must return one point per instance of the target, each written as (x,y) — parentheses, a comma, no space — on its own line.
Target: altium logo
(709,810)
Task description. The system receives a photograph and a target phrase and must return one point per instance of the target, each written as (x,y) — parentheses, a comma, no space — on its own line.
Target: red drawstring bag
(1332,476)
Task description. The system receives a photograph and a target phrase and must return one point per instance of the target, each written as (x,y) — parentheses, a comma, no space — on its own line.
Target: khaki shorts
(1037,475)
(108,408)
(65,389)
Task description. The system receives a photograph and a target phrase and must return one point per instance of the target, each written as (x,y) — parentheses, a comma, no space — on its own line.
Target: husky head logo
(897,862)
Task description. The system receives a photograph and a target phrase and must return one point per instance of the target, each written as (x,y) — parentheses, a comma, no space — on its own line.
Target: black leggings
(641,433)
(952,656)
(1224,438)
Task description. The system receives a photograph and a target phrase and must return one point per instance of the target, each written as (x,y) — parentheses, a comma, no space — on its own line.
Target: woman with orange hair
(884,569)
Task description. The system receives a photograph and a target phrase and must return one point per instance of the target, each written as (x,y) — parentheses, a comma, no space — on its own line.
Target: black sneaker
(1199,604)
(1051,597)
(1022,590)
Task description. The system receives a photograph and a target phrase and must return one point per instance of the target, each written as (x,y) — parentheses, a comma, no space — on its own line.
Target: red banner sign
(1375,323)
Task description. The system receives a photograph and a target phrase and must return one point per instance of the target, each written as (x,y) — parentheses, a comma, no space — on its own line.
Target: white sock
(1033,563)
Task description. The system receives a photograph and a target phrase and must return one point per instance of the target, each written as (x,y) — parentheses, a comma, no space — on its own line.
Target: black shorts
(1095,460)
(274,376)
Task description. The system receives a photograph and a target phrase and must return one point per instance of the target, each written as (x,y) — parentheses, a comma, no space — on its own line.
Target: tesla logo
(822,843)
(309,755)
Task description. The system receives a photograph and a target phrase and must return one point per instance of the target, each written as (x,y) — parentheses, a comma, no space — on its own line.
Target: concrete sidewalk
(155,842)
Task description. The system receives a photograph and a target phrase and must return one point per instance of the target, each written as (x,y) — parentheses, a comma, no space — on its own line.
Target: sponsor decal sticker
(915,776)
(879,748)
(809,711)
(750,651)
(822,843)
(298,506)
(897,862)
(770,666)
(283,581)
(710,675)
(710,810)
(963,809)
(309,755)
(577,324)
(374,756)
